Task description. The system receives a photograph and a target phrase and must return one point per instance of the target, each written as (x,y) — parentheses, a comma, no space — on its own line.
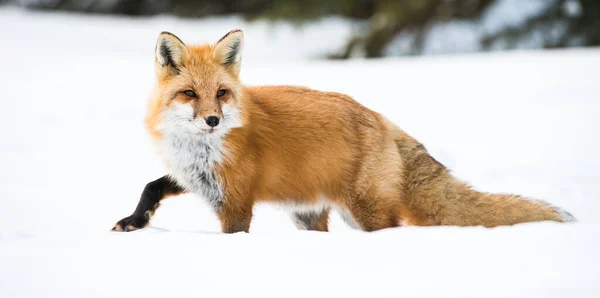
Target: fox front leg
(153,193)
(235,216)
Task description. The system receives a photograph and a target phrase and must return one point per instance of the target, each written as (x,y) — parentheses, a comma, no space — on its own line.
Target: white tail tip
(564,215)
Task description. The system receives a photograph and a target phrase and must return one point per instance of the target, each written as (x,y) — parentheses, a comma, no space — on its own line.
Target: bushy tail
(435,197)
(492,210)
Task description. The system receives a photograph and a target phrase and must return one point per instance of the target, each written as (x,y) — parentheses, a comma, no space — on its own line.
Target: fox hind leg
(371,214)
(311,220)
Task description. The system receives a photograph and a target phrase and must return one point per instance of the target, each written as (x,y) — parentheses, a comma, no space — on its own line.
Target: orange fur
(297,146)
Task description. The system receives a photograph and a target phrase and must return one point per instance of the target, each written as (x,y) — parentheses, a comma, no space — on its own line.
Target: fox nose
(212,121)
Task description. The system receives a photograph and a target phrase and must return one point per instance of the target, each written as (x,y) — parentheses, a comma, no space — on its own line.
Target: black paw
(130,223)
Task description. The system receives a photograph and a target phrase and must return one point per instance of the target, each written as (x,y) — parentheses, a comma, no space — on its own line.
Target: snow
(75,158)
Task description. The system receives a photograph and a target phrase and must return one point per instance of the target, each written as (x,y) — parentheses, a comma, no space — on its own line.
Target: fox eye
(221,92)
(189,93)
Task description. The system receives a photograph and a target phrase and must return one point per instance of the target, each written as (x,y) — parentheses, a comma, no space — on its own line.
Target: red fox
(306,150)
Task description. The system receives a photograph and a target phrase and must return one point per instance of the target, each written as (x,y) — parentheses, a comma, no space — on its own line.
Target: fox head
(198,89)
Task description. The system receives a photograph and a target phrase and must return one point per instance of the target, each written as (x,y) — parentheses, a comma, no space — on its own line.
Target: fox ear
(228,51)
(169,52)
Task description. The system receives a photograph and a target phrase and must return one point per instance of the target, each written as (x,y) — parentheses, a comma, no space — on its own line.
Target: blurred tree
(576,21)
(184,8)
(561,23)
(392,17)
(385,18)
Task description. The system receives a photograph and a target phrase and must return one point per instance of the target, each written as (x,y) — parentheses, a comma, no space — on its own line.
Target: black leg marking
(149,201)
(306,221)
(312,221)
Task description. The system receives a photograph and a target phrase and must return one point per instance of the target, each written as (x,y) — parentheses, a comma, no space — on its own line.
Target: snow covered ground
(74,158)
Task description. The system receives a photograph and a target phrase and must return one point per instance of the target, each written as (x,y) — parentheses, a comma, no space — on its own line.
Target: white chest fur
(191,153)
(191,159)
